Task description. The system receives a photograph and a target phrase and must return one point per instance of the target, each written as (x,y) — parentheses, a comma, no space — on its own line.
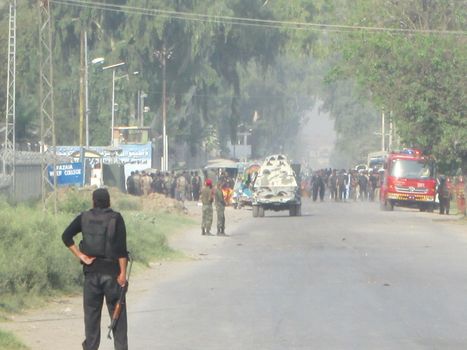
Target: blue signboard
(67,174)
(132,156)
(125,154)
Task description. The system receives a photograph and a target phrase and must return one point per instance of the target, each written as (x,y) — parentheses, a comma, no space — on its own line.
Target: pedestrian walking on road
(103,254)
(220,209)
(207,198)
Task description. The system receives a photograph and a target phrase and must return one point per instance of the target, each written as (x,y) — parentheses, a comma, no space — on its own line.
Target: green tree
(414,74)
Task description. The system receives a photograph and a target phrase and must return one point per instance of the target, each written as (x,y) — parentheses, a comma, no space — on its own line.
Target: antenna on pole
(48,142)
(9,147)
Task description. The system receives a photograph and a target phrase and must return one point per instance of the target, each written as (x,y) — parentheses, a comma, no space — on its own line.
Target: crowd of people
(184,185)
(364,185)
(337,184)
(342,185)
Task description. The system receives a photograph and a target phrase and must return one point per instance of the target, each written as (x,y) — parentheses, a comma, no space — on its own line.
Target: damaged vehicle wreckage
(276,187)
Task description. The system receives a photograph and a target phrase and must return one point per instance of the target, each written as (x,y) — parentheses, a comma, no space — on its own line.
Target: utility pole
(9,150)
(48,140)
(163,55)
(391,132)
(81,89)
(112,123)
(141,96)
(383,145)
(86,87)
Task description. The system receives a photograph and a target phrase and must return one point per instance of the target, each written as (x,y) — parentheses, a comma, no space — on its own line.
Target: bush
(74,201)
(34,262)
(130,203)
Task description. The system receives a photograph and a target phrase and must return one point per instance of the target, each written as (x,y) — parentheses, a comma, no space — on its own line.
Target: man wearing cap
(207,198)
(103,254)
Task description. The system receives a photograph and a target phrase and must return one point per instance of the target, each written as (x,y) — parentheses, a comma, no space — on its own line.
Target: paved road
(342,276)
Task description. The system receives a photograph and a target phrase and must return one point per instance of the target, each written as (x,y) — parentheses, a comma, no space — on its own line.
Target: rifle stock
(118,309)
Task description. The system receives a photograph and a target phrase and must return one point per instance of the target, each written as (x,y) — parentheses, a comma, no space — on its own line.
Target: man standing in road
(220,209)
(196,185)
(103,254)
(206,200)
(332,183)
(444,195)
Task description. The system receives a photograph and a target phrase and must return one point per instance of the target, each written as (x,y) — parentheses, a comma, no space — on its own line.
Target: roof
(87,154)
(221,163)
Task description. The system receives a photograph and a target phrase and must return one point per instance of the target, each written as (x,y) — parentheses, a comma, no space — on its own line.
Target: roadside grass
(35,265)
(10,342)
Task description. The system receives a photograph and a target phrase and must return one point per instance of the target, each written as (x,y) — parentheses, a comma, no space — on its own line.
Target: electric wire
(244,21)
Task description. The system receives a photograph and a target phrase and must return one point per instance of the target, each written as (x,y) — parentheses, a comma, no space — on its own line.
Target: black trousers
(96,287)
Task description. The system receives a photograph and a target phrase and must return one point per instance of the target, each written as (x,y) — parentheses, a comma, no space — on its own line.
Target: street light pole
(383,146)
(86,88)
(113,67)
(163,55)
(164,113)
(113,109)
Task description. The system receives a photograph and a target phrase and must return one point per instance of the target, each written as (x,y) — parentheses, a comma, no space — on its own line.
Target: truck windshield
(411,169)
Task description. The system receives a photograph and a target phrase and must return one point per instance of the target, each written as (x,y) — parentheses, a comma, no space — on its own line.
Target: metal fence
(28,178)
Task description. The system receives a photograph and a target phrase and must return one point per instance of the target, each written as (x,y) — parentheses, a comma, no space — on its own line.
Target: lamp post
(97,60)
(113,67)
(163,55)
(141,108)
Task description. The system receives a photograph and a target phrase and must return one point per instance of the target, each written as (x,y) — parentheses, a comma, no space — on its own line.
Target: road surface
(342,276)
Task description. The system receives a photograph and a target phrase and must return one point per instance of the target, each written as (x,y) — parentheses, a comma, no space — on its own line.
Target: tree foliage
(220,72)
(418,74)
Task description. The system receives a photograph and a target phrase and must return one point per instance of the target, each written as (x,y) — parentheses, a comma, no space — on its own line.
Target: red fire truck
(409,181)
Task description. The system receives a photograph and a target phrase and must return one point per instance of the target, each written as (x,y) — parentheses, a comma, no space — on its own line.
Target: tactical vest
(98,228)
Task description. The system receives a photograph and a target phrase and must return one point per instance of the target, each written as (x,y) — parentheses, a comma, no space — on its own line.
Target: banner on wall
(133,157)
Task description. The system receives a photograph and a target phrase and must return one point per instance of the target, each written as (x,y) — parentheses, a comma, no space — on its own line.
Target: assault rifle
(120,302)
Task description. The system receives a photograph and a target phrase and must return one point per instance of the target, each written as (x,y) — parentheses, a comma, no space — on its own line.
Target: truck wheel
(387,205)
(261,212)
(255,211)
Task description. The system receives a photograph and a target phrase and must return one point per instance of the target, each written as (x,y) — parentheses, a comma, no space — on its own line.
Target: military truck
(276,187)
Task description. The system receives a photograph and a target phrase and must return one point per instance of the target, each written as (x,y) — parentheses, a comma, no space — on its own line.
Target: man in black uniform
(104,256)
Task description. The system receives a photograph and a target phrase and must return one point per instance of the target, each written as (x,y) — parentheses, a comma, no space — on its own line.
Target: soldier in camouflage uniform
(220,209)
(207,199)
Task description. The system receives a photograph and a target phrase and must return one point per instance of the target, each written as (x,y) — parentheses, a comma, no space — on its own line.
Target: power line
(244,21)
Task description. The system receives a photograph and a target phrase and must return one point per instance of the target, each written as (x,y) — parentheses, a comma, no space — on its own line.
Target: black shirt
(100,265)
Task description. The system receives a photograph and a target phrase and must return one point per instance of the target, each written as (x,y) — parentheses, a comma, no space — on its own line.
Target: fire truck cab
(409,181)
